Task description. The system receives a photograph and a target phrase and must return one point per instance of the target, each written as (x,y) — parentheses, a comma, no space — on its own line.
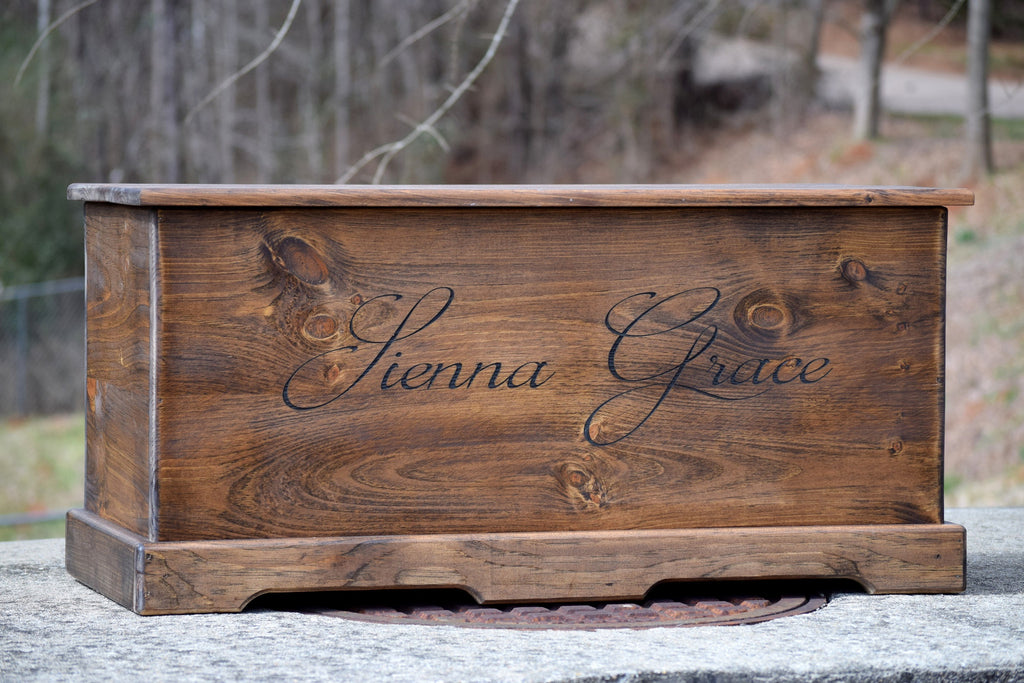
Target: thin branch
(453,57)
(943,23)
(424,31)
(692,26)
(262,57)
(387,152)
(432,132)
(43,36)
(1010,90)
(748,12)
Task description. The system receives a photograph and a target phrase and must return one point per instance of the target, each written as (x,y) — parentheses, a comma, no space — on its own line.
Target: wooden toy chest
(528,392)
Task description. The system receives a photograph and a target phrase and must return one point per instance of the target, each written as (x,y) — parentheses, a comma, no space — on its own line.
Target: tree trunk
(978,159)
(200,157)
(163,98)
(867,105)
(264,119)
(342,85)
(804,82)
(310,133)
(809,54)
(43,92)
(226,58)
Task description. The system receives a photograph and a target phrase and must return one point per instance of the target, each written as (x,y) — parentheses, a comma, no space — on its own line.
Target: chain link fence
(42,348)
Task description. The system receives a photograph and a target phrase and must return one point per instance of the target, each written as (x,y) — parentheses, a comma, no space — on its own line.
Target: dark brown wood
(119,479)
(220,576)
(409,367)
(105,557)
(252,304)
(518,195)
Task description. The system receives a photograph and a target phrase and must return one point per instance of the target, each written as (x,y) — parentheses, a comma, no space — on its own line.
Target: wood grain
(223,576)
(528,392)
(104,556)
(119,478)
(267,317)
(517,195)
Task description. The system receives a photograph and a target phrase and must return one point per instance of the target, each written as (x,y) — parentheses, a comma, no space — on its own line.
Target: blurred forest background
(537,91)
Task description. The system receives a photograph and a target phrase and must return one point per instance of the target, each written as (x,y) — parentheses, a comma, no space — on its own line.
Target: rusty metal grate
(456,609)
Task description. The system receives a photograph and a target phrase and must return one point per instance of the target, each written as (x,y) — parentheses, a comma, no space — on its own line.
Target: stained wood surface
(120,471)
(105,557)
(518,391)
(359,372)
(518,195)
(223,576)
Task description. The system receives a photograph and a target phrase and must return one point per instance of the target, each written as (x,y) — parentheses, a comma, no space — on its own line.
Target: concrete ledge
(52,628)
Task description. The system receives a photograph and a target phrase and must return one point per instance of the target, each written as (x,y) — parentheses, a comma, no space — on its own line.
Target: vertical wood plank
(118,382)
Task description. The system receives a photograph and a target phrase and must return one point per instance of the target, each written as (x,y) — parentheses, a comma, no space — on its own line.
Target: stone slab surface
(54,629)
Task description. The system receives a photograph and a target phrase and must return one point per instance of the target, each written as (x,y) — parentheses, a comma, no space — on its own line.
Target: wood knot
(581,486)
(767,316)
(332,373)
(301,260)
(854,270)
(320,326)
(767,313)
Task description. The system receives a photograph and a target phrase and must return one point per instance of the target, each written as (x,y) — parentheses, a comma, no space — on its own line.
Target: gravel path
(916,91)
(904,89)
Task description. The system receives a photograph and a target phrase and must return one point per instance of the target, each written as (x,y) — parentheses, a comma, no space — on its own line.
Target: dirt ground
(913,41)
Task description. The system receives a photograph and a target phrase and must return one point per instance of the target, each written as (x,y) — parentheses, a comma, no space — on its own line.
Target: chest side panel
(118,267)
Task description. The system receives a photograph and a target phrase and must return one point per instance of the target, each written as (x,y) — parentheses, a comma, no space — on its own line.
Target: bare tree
(867,101)
(342,85)
(385,153)
(163,98)
(805,77)
(225,63)
(264,138)
(310,133)
(43,91)
(978,159)
(196,73)
(44,33)
(584,91)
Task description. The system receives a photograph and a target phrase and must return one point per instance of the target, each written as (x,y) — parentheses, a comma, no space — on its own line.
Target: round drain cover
(690,611)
